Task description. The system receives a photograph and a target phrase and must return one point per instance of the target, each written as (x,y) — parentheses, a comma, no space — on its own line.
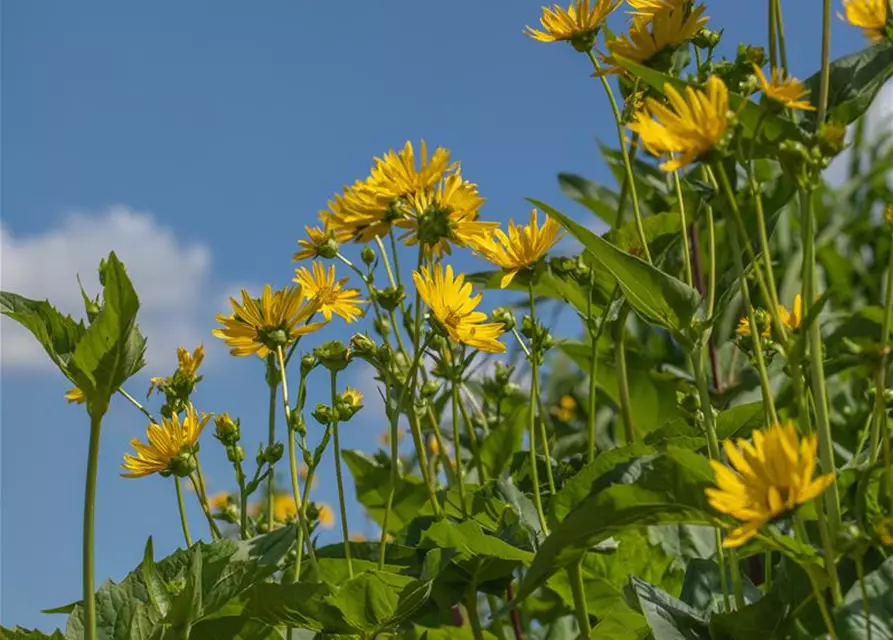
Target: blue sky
(197,139)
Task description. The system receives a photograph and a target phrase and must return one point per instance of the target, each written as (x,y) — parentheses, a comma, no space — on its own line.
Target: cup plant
(708,458)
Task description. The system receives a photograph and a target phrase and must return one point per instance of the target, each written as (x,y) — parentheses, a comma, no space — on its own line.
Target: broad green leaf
(702,586)
(668,617)
(850,618)
(664,488)
(186,606)
(658,297)
(598,199)
(373,483)
(240,628)
(854,82)
(764,619)
(547,285)
(684,542)
(419,632)
(155,588)
(661,232)
(58,334)
(739,421)
(111,349)
(502,441)
(622,623)
(25,634)
(652,394)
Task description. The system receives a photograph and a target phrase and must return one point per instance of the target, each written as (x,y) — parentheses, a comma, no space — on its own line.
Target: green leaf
(764,619)
(739,421)
(111,349)
(186,606)
(373,483)
(58,334)
(546,285)
(668,617)
(155,588)
(25,634)
(849,618)
(658,297)
(854,82)
(240,628)
(702,586)
(598,199)
(502,441)
(620,624)
(663,488)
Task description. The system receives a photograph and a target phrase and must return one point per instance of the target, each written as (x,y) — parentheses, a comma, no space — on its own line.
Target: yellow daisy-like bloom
(690,126)
(326,515)
(75,395)
(523,247)
(328,294)
(793,320)
(166,441)
(579,23)
(445,215)
(284,509)
(360,213)
(319,244)
(352,397)
(868,15)
(668,26)
(566,409)
(648,8)
(767,478)
(453,305)
(259,326)
(785,91)
(396,174)
(219,501)
(190,362)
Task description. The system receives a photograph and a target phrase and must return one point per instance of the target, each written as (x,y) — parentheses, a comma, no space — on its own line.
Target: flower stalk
(338,475)
(89,523)
(184,522)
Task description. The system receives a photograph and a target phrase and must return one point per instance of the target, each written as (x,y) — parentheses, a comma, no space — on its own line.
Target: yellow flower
(259,326)
(667,27)
(791,319)
(766,479)
(360,213)
(447,214)
(692,127)
(219,501)
(433,446)
(453,305)
(166,441)
(764,322)
(785,91)
(320,243)
(648,8)
(868,15)
(284,508)
(566,409)
(352,397)
(75,395)
(396,174)
(327,294)
(522,248)
(190,362)
(578,24)
(326,515)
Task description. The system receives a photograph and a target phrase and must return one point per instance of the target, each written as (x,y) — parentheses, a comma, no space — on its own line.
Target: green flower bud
(584,42)
(333,355)
(503,315)
(562,266)
(322,414)
(368,256)
(274,452)
(503,373)
(382,326)
(430,389)
(349,403)
(308,363)
(832,139)
(385,355)
(226,430)
(707,39)
(362,344)
(329,249)
(235,454)
(751,55)
(390,298)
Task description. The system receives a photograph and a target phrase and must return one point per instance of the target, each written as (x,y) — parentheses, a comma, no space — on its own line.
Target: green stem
(755,329)
(271,438)
(626,412)
(387,263)
(879,422)
(395,476)
(686,248)
(782,49)
(817,369)
(472,436)
(496,627)
(474,616)
(338,476)
(773,48)
(866,604)
(182,506)
(624,151)
(460,475)
(800,530)
(89,521)
(767,571)
(203,503)
(396,256)
(534,392)
(737,585)
(136,403)
(575,574)
(825,77)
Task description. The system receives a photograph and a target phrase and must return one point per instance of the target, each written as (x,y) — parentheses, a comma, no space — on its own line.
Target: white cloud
(878,121)
(171,277)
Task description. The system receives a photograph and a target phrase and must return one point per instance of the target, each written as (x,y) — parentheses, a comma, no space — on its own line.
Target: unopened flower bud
(706,39)
(333,355)
(362,344)
(235,454)
(349,403)
(385,355)
(832,138)
(503,315)
(226,430)
(183,464)
(322,414)
(390,297)
(368,256)
(430,389)
(382,326)
(274,452)
(503,373)
(308,363)
(329,249)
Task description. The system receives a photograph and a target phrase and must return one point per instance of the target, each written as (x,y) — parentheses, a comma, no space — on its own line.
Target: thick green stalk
(460,475)
(89,521)
(825,78)
(626,412)
(472,436)
(534,392)
(624,152)
(184,523)
(773,47)
(271,439)
(879,423)
(686,248)
(593,377)
(474,616)
(338,476)
(782,49)
(575,574)
(496,627)
(816,366)
(737,585)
